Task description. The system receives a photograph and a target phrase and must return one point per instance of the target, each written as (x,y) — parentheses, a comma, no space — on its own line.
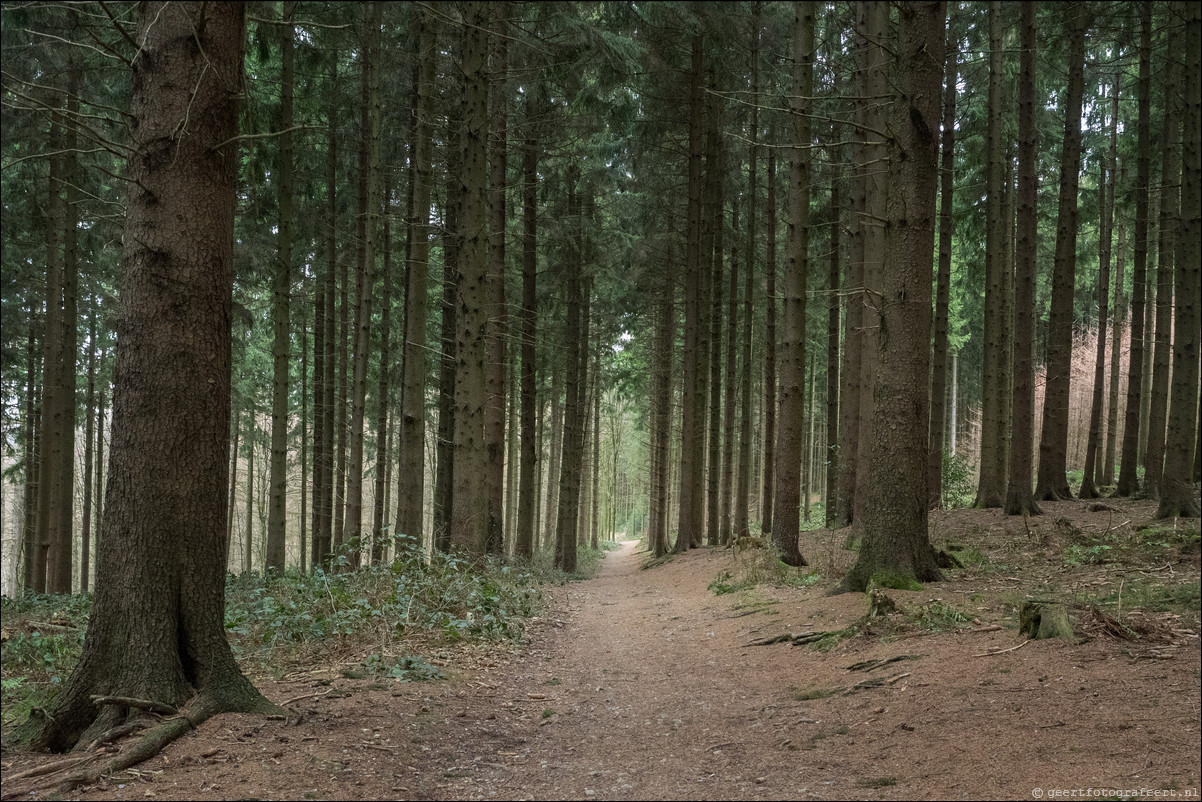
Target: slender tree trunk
(379,538)
(692,407)
(575,324)
(1093,471)
(896,550)
(551,506)
(1052,484)
(1119,316)
(991,487)
(411,469)
(596,483)
(301,520)
(232,496)
(943,279)
(248,536)
(1170,184)
(1177,496)
(494,411)
(1128,478)
(662,393)
(33,430)
(732,340)
(742,501)
(85,545)
(831,494)
(712,300)
(281,288)
(340,415)
(527,526)
(1019,499)
(791,435)
(768,471)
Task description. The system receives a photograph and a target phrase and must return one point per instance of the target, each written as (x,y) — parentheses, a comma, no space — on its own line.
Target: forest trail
(639,684)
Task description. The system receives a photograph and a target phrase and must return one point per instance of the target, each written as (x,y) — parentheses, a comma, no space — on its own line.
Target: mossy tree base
(1040,620)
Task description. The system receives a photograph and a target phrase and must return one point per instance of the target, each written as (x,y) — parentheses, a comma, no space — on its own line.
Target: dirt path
(638,684)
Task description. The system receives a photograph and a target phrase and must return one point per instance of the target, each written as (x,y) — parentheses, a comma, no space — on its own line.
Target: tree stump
(879,605)
(1039,620)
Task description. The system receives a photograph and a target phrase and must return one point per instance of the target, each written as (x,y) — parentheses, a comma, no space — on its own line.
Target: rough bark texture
(1019,499)
(832,351)
(411,469)
(1118,318)
(157,625)
(1129,463)
(469,518)
(991,486)
(896,550)
(943,279)
(742,502)
(1177,496)
(1052,484)
(768,474)
(1170,208)
(791,432)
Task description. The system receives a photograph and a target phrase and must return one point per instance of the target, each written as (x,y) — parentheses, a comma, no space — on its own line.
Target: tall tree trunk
(665,334)
(576,322)
(896,550)
(991,487)
(248,536)
(596,483)
(1170,184)
(51,451)
(1119,316)
(831,492)
(732,340)
(551,506)
(232,496)
(527,526)
(494,410)
(947,187)
(33,429)
(768,472)
(411,468)
(468,522)
(369,178)
(301,520)
(340,399)
(379,538)
(85,545)
(1128,479)
(873,23)
(281,288)
(1177,497)
(712,300)
(1019,498)
(1052,484)
(165,640)
(791,435)
(742,501)
(1093,470)
(692,407)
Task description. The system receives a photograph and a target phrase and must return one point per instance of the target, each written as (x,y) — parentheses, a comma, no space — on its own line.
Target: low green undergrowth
(287,619)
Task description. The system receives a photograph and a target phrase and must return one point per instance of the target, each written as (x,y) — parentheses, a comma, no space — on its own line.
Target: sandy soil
(638,684)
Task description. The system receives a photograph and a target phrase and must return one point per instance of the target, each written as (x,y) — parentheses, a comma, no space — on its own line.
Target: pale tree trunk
(896,550)
(732,339)
(1052,484)
(1128,478)
(790,435)
(595,496)
(768,472)
(1019,498)
(281,287)
(1177,496)
(1119,316)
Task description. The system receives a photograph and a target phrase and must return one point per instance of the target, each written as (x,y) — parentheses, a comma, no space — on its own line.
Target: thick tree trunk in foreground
(1019,498)
(791,434)
(896,550)
(1052,484)
(164,640)
(1177,496)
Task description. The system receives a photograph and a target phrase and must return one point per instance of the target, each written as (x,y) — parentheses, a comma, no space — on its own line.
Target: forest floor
(640,684)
